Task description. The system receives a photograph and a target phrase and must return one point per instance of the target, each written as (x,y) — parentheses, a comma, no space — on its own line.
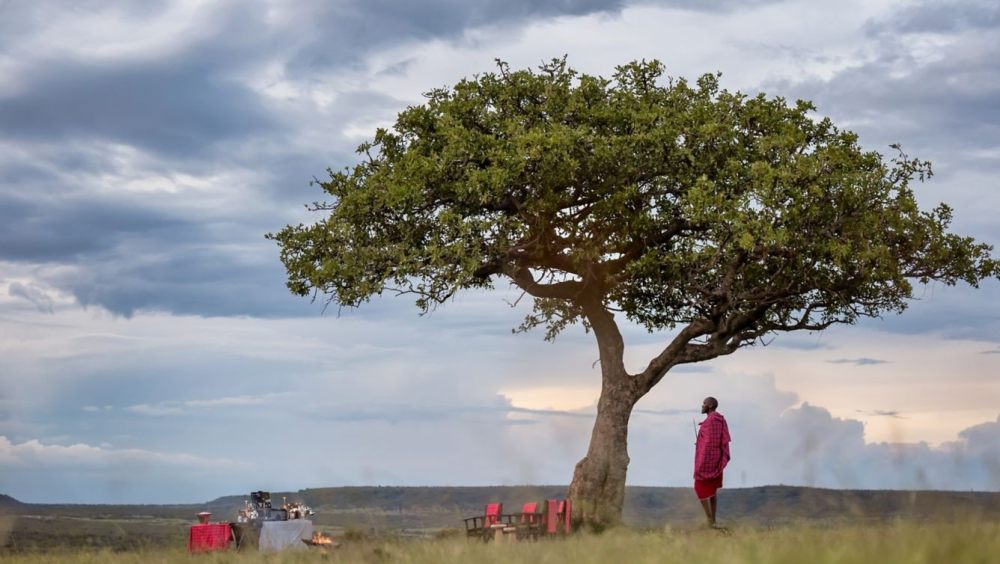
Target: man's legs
(715,505)
(708,505)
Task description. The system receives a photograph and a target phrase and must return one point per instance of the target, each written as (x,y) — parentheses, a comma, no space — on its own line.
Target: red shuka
(712,450)
(707,488)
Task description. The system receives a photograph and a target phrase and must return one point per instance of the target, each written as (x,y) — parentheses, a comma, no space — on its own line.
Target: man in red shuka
(711,454)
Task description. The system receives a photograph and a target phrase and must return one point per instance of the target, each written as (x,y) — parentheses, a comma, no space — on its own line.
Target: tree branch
(523,278)
(659,366)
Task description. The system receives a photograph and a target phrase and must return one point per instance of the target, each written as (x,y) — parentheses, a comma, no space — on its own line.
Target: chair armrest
(477,522)
(527,517)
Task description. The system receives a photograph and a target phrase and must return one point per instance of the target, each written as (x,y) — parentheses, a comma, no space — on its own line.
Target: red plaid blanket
(211,536)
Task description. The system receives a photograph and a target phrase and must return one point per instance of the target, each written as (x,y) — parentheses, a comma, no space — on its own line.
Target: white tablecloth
(285,535)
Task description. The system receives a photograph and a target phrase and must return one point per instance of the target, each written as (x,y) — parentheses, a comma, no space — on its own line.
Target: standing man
(711,454)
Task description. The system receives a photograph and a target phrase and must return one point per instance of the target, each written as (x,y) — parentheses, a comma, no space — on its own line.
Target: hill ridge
(445,506)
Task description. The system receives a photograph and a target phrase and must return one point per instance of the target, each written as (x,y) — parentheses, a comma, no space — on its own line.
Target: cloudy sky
(149,351)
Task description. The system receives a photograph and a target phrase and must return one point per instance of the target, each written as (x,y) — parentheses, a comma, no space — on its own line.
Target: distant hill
(654,507)
(383,508)
(422,510)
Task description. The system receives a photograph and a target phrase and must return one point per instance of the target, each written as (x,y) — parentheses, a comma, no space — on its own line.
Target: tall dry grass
(912,543)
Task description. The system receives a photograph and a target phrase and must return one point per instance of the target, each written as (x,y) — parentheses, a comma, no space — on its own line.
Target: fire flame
(322,539)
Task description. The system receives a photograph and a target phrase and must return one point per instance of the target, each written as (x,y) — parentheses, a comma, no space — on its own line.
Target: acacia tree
(715,218)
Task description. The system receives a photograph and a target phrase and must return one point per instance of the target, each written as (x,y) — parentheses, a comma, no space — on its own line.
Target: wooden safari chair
(557,515)
(529,521)
(481,525)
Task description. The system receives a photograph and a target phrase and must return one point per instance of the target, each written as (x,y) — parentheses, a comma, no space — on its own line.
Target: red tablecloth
(212,536)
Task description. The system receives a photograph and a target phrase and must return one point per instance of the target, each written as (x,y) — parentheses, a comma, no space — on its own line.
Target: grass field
(911,543)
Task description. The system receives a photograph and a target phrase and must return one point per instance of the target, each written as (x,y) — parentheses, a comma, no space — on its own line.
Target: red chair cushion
(493,511)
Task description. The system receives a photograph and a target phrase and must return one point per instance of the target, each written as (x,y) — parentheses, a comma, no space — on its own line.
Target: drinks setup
(259,524)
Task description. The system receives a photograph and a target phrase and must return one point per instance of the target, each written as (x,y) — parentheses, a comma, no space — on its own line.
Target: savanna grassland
(398,524)
(889,542)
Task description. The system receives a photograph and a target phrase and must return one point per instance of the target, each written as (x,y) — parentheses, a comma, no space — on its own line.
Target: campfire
(322,539)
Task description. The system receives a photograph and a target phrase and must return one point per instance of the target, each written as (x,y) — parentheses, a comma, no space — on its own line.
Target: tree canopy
(681,205)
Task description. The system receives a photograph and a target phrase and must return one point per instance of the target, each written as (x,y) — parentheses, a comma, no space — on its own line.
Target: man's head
(709,405)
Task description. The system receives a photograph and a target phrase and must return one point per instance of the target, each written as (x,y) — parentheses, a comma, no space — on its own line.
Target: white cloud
(777,440)
(115,32)
(788,40)
(329,390)
(181,407)
(983,438)
(941,385)
(35,454)
(34,293)
(23,287)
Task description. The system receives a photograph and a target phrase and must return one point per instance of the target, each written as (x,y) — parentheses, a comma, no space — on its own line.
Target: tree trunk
(598,486)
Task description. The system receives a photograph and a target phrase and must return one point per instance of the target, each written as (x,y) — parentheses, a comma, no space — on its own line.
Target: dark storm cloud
(186,114)
(944,100)
(167,108)
(946,16)
(21,21)
(938,98)
(184,111)
(443,17)
(345,31)
(127,252)
(61,209)
(65,229)
(957,313)
(191,280)
(720,6)
(946,104)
